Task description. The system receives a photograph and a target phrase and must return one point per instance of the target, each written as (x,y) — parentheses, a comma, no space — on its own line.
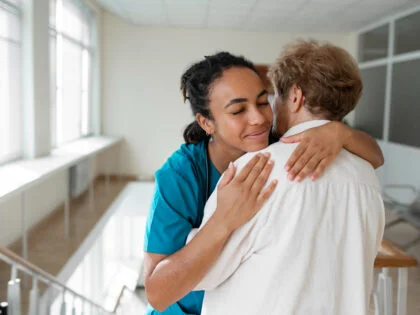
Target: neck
(221,156)
(301,117)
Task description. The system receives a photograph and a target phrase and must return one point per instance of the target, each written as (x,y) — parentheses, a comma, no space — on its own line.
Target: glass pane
(53,95)
(9,26)
(370,109)
(86,80)
(405,104)
(68,124)
(53,13)
(374,44)
(87,32)
(72,20)
(406,34)
(10,102)
(16,100)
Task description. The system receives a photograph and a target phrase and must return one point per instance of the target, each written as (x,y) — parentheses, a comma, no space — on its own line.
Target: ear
(205,123)
(296,98)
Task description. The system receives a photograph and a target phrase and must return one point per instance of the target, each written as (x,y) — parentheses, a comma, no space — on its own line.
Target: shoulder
(279,152)
(175,207)
(184,164)
(351,168)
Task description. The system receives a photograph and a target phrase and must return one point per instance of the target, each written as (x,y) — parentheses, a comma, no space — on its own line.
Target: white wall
(141,72)
(402,165)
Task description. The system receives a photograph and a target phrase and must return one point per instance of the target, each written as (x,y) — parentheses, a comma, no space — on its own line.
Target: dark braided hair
(196,83)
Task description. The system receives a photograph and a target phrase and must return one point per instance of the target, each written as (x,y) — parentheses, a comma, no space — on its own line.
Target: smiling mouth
(258,134)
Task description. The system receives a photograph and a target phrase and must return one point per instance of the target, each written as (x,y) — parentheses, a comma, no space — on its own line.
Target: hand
(317,148)
(240,198)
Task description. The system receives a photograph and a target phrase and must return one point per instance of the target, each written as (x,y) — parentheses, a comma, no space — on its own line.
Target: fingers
(256,170)
(265,194)
(321,168)
(309,167)
(243,175)
(292,139)
(297,153)
(228,175)
(301,165)
(262,178)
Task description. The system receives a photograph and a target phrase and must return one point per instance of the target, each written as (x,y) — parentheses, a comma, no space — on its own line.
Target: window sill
(18,176)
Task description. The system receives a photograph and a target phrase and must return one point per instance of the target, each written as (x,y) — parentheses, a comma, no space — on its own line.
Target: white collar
(305,126)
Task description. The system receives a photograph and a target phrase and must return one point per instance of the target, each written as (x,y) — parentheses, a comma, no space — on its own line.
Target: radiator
(79,178)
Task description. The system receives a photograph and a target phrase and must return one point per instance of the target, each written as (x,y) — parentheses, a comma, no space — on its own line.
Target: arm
(319,146)
(168,278)
(235,251)
(361,144)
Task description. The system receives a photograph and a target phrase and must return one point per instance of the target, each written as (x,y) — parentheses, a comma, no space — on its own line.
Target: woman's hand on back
(240,197)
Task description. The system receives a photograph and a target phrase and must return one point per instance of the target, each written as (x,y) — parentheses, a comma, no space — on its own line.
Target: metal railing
(38,275)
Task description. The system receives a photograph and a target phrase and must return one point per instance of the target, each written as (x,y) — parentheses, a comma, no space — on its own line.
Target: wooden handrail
(36,271)
(390,256)
(117,303)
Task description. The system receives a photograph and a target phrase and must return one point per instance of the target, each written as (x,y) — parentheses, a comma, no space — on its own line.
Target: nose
(256,116)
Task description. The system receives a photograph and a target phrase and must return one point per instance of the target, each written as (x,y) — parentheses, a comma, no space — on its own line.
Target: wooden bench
(390,256)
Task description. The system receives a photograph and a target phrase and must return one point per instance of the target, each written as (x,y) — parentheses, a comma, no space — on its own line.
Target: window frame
(15,10)
(91,50)
(389,61)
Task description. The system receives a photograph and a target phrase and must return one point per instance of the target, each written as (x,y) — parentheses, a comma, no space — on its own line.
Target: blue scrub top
(177,207)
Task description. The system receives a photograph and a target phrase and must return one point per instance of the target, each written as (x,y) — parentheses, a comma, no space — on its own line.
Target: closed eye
(238,112)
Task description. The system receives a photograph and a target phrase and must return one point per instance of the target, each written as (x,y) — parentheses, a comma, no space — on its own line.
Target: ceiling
(258,15)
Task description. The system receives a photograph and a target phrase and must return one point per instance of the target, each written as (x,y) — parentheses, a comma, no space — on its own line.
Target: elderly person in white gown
(311,248)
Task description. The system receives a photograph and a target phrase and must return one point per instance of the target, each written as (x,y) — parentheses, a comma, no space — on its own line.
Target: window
(10,82)
(406,34)
(71,60)
(390,65)
(405,106)
(374,44)
(370,109)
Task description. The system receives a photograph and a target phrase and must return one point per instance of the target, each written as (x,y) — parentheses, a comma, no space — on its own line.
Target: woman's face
(241,111)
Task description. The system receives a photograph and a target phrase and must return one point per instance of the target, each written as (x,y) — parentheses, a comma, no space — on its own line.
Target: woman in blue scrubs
(233,117)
